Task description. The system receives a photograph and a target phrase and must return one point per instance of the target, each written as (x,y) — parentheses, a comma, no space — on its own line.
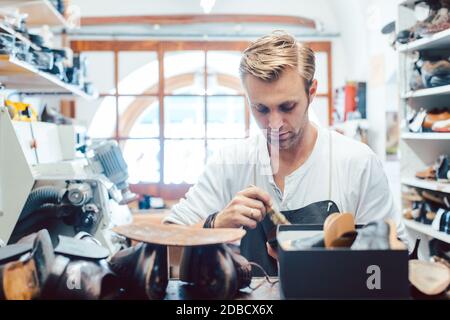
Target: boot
(143,269)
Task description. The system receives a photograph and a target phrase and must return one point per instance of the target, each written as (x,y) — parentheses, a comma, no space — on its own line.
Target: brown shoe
(441,126)
(339,230)
(429,173)
(433,117)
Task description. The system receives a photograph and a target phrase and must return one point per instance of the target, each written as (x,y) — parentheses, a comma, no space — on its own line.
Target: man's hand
(246,209)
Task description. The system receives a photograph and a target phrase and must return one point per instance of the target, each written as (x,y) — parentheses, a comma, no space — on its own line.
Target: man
(293,165)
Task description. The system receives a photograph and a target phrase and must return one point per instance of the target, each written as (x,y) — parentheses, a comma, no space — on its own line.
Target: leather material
(211,271)
(80,248)
(176,235)
(143,269)
(82,280)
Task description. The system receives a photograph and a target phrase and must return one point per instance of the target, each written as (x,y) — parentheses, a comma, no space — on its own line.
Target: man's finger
(257,193)
(246,222)
(253,203)
(252,213)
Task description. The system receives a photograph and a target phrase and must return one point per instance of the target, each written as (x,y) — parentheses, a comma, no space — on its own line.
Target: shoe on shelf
(415,121)
(427,174)
(442,221)
(434,117)
(441,126)
(439,171)
(442,169)
(412,195)
(436,73)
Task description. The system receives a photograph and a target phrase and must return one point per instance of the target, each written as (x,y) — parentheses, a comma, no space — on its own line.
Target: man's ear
(312,90)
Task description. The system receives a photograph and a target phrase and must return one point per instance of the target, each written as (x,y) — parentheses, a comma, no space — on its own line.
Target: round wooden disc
(176,235)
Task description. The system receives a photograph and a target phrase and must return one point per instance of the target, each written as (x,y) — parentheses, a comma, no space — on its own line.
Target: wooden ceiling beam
(193,19)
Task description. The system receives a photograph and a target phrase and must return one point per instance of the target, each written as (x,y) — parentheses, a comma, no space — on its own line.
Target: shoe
(428,174)
(441,126)
(412,195)
(439,171)
(339,230)
(430,278)
(25,278)
(442,169)
(442,221)
(433,117)
(436,73)
(416,120)
(143,270)
(214,271)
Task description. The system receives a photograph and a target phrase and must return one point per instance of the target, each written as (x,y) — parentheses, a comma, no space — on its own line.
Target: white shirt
(357,180)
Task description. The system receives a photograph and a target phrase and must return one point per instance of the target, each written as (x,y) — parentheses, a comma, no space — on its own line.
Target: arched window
(171,105)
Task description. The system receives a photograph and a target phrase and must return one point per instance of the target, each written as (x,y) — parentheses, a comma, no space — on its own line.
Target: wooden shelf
(40,12)
(21,76)
(437,41)
(427,184)
(425,136)
(427,230)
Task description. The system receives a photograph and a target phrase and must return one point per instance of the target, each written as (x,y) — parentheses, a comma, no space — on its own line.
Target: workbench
(178,290)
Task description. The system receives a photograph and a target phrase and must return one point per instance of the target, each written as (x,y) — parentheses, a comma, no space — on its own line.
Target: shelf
(443,90)
(19,75)
(437,41)
(427,184)
(40,12)
(19,36)
(425,136)
(427,230)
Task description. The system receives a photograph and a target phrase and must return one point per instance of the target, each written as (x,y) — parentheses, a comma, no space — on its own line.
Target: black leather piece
(81,280)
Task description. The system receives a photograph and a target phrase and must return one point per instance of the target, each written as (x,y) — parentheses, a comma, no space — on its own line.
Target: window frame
(160,189)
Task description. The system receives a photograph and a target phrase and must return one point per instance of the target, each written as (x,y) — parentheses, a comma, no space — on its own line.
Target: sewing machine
(46,183)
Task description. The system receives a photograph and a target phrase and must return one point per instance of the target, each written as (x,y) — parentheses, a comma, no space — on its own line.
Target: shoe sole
(429,278)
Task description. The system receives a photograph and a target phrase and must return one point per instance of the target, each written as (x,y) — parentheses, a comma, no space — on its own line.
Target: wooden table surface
(177,290)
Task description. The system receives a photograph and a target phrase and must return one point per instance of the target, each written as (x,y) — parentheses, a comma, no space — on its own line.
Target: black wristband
(209,222)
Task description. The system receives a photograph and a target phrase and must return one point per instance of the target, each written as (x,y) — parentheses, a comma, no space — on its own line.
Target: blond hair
(267,57)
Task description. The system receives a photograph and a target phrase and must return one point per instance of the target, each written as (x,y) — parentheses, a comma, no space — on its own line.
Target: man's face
(280,107)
